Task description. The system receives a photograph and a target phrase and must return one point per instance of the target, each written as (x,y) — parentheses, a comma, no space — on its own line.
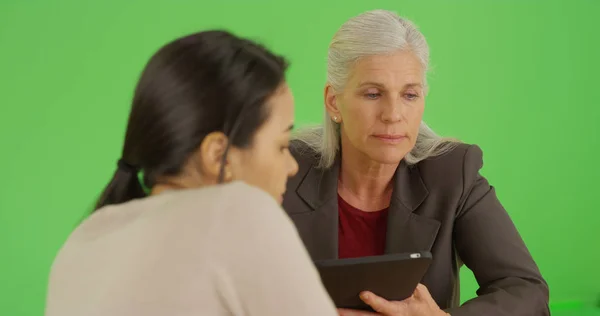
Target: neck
(366,182)
(186,180)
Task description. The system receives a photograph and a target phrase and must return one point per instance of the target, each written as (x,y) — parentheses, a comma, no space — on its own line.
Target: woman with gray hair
(375,179)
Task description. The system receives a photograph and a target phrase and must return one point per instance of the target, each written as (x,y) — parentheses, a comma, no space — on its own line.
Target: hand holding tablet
(386,283)
(419,304)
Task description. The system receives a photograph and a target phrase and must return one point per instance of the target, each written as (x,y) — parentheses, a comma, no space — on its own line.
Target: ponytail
(123,187)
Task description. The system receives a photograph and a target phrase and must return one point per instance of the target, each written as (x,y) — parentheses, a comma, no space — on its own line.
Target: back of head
(191,87)
(376,32)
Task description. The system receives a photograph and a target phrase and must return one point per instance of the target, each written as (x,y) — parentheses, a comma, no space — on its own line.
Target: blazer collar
(409,188)
(319,186)
(406,232)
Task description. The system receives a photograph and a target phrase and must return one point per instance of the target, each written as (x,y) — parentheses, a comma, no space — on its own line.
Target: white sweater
(221,250)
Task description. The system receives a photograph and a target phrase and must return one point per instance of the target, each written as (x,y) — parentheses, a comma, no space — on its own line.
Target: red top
(360,234)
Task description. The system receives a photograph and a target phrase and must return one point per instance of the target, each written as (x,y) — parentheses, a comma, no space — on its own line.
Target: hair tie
(127,167)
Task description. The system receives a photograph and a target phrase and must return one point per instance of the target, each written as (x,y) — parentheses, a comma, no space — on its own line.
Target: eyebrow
(381,85)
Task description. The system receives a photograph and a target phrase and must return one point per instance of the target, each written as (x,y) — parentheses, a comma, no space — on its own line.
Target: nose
(392,111)
(293,166)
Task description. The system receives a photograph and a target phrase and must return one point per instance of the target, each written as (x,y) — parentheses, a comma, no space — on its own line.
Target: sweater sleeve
(262,266)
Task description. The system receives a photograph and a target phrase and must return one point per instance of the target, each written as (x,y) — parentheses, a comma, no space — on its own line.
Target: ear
(210,157)
(331,104)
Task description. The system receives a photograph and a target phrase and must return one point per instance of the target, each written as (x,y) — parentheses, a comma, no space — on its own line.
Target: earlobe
(331,104)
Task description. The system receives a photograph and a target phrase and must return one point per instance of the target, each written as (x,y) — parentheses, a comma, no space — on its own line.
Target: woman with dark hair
(208,130)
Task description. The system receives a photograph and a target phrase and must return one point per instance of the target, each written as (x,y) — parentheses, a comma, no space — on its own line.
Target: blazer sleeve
(488,243)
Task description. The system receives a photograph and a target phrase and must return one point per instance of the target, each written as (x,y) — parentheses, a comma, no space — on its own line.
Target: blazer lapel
(406,230)
(319,191)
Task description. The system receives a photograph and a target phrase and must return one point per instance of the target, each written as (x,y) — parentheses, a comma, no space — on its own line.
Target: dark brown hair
(198,84)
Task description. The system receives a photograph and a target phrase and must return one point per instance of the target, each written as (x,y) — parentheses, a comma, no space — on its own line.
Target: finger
(422,292)
(379,304)
(352,312)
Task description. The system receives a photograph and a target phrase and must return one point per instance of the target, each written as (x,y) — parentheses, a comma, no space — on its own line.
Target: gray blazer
(442,205)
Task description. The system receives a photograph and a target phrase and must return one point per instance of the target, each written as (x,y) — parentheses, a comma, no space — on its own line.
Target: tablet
(393,277)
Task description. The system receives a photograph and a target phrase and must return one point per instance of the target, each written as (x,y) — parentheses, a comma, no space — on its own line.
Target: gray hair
(371,33)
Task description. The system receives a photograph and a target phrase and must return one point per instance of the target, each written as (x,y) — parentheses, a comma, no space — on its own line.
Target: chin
(389,156)
(279,199)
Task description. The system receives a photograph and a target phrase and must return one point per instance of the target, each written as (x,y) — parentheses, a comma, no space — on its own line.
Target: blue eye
(372,96)
(411,96)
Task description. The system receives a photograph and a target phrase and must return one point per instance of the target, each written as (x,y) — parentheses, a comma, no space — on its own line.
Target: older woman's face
(381,106)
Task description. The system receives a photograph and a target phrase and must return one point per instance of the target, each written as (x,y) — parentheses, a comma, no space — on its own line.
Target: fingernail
(364,296)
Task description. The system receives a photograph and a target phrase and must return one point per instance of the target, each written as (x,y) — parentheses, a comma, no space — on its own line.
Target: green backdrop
(519,78)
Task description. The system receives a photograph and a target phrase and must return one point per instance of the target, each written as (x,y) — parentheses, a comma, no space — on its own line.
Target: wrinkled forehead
(398,69)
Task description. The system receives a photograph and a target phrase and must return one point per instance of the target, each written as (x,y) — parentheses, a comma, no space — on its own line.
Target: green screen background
(519,78)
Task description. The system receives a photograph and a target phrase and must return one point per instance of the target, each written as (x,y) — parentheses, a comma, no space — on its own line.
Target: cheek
(265,170)
(360,116)
(414,118)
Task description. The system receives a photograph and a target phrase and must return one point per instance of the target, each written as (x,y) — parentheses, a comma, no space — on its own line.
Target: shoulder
(252,218)
(463,155)
(248,209)
(306,157)
(235,198)
(225,216)
(204,207)
(462,160)
(457,168)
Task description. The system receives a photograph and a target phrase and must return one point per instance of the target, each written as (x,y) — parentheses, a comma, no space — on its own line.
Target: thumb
(421,292)
(379,304)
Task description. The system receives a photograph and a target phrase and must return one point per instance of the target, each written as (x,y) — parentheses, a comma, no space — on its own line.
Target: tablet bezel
(425,256)
(374,259)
